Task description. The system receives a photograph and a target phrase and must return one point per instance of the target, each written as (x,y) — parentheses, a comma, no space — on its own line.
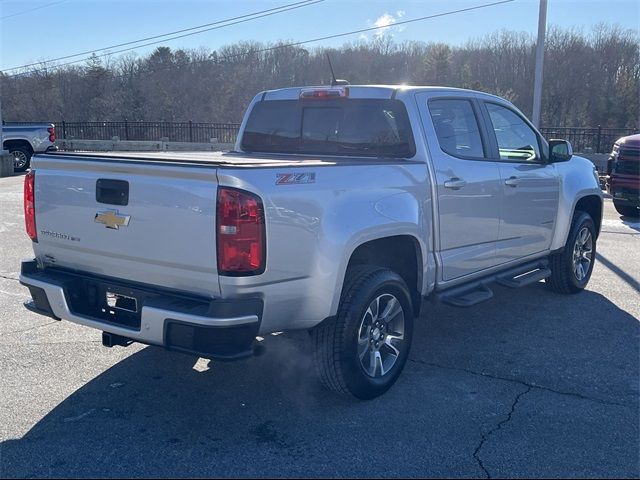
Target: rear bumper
(221,329)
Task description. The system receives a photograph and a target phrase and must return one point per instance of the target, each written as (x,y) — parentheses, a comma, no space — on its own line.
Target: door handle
(512,181)
(455,183)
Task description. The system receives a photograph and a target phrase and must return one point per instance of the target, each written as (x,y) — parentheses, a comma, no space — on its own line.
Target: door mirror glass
(560,150)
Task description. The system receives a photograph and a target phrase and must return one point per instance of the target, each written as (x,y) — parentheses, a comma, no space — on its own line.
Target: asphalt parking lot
(527,384)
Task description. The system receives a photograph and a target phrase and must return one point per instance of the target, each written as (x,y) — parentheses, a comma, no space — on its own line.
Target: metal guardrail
(26,124)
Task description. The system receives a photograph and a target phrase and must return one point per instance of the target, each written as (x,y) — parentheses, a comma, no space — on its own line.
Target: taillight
(52,134)
(240,233)
(30,205)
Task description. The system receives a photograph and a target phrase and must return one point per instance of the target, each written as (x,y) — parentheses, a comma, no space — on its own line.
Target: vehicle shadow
(15,174)
(632,222)
(153,414)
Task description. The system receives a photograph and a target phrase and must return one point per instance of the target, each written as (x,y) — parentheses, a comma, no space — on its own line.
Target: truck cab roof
(367,91)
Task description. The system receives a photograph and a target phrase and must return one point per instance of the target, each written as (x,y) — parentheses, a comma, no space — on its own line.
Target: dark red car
(624,175)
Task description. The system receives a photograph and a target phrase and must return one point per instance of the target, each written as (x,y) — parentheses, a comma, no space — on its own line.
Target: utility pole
(537,85)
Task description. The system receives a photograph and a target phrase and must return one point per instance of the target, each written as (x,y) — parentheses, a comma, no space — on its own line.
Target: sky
(37,30)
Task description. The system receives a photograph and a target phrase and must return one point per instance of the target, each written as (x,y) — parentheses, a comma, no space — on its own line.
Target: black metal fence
(588,140)
(583,139)
(151,131)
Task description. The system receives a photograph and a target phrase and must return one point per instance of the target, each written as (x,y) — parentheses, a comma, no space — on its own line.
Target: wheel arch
(401,253)
(579,189)
(591,204)
(18,142)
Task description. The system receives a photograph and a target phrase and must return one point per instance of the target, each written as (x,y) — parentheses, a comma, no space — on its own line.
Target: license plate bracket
(106,301)
(121,302)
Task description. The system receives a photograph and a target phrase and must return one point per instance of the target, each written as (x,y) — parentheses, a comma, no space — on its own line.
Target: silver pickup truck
(23,140)
(339,211)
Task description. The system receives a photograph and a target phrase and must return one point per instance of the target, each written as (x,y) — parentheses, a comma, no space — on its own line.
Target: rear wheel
(571,269)
(21,158)
(362,351)
(626,210)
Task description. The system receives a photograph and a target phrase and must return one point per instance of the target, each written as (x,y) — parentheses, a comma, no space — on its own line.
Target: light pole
(537,83)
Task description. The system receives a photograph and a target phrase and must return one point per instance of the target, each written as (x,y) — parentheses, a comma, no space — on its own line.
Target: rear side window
(273,129)
(457,129)
(354,127)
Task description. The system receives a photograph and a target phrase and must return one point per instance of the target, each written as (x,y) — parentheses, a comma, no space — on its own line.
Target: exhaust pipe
(111,339)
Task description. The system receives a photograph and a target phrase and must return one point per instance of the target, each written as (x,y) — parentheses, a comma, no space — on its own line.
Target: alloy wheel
(381,335)
(19,159)
(582,254)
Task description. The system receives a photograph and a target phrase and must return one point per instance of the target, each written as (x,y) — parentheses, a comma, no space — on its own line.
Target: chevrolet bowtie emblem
(112,219)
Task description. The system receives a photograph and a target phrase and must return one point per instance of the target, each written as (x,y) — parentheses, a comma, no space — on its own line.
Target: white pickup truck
(22,140)
(339,211)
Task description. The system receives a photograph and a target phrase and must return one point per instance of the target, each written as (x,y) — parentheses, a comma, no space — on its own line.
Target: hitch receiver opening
(111,340)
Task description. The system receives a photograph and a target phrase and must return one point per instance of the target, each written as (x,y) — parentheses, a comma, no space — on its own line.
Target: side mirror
(559,150)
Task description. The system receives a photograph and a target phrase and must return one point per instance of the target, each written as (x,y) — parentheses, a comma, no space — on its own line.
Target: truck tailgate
(152,223)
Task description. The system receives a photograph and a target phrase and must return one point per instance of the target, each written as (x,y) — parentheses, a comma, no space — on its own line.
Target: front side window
(517,141)
(456,127)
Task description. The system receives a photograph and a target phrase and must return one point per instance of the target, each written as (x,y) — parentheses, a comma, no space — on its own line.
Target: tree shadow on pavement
(624,276)
(153,414)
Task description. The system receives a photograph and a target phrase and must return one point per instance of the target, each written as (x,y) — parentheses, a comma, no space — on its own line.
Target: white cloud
(385,22)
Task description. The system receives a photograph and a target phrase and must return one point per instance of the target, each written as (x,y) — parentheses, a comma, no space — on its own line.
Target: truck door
(467,182)
(531,187)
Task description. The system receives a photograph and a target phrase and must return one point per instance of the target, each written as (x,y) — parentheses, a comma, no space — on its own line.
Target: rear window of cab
(352,127)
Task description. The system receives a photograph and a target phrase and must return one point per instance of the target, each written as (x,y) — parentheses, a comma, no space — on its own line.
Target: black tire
(564,278)
(25,154)
(336,340)
(626,210)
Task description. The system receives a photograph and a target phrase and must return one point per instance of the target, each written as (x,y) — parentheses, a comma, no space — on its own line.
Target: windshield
(357,127)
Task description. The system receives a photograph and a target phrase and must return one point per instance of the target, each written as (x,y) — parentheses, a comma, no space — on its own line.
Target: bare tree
(590,79)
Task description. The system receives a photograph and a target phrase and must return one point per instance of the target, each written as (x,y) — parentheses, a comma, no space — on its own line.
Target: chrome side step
(524,279)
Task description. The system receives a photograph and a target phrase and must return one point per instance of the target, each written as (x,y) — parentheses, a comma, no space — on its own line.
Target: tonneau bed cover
(217,159)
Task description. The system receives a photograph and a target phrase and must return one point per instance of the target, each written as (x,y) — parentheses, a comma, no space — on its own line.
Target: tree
(590,79)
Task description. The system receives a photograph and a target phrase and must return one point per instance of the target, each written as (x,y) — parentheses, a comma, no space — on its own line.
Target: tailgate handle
(112,192)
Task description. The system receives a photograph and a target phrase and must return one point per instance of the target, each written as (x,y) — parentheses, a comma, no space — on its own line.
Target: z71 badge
(295,178)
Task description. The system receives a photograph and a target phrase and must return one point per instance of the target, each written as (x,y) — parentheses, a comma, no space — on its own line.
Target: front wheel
(362,351)
(626,210)
(571,269)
